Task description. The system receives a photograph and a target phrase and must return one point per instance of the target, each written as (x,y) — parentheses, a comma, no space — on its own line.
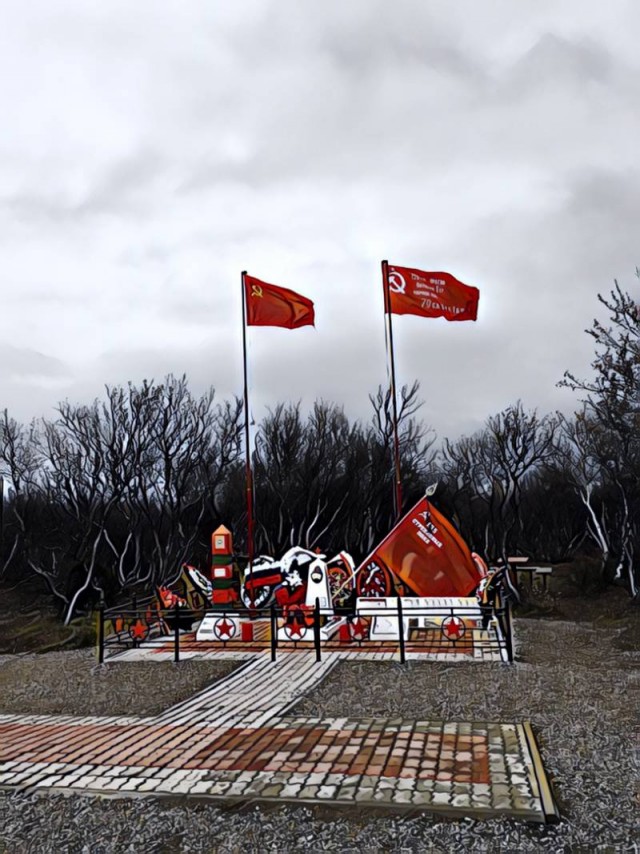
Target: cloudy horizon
(153,151)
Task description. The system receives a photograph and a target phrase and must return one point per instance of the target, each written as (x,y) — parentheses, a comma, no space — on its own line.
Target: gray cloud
(28,376)
(152,152)
(561,61)
(21,363)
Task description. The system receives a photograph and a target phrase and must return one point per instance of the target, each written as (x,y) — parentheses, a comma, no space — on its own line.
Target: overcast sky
(152,150)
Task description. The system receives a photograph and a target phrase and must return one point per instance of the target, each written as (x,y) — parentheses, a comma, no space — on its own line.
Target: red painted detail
(453,628)
(223,597)
(358,629)
(224,629)
(295,630)
(286,597)
(263,581)
(374,580)
(138,630)
(168,598)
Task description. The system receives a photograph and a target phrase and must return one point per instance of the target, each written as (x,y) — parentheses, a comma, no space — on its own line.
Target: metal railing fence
(406,628)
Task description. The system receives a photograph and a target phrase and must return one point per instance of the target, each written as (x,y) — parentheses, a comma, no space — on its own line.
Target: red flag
(426,553)
(270,305)
(431,295)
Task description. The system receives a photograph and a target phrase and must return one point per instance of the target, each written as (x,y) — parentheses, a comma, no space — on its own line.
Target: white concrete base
(423,612)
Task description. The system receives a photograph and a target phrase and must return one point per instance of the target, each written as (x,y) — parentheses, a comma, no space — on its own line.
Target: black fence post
(101,634)
(1,516)
(316,629)
(508,630)
(134,638)
(401,630)
(451,617)
(274,632)
(176,633)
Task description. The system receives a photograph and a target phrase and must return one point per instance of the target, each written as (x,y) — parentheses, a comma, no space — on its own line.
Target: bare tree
(302,475)
(73,481)
(187,446)
(491,469)
(19,467)
(322,481)
(125,485)
(417,454)
(580,445)
(612,415)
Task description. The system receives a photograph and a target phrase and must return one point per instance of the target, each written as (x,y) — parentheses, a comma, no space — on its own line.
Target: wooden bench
(541,571)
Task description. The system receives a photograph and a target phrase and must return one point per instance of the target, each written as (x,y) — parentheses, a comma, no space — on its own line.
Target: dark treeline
(115,496)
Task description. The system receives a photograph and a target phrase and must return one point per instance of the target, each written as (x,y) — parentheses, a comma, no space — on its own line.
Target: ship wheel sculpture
(374,581)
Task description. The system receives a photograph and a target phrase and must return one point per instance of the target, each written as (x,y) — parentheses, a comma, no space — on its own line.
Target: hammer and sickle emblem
(397,283)
(256,291)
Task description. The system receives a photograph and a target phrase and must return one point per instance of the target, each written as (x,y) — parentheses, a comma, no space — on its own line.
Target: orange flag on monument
(271,305)
(430,294)
(426,553)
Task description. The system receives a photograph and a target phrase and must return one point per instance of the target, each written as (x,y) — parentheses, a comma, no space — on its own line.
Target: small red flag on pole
(265,305)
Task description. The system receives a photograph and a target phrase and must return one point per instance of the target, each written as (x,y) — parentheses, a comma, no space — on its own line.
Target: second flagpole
(249,477)
(397,493)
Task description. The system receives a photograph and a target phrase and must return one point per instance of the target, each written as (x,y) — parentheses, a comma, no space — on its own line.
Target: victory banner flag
(430,295)
(427,554)
(271,305)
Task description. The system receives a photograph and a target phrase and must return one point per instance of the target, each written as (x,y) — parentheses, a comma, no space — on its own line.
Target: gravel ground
(573,682)
(73,683)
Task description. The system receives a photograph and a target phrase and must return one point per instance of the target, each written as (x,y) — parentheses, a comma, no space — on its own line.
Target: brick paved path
(233,741)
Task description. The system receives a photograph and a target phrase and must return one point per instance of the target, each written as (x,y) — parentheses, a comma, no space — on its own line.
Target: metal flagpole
(397,493)
(249,478)
(1,518)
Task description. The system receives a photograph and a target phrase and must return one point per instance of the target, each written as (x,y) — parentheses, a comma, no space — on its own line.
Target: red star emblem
(358,629)
(295,629)
(138,630)
(224,629)
(453,628)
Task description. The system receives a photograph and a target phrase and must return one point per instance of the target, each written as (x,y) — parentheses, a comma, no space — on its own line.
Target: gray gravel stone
(73,683)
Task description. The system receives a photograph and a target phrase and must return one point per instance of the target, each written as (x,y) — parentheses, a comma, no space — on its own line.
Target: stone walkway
(234,741)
